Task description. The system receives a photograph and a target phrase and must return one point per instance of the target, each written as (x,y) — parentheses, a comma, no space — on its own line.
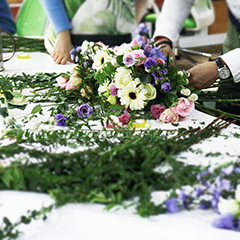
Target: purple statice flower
(85,110)
(181,195)
(228,170)
(147,49)
(214,203)
(172,205)
(166,87)
(129,59)
(142,28)
(150,62)
(155,53)
(226,221)
(204,205)
(61,120)
(199,191)
(237,170)
(114,90)
(141,41)
(222,184)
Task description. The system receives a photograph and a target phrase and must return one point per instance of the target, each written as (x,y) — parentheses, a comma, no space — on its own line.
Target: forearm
(57,14)
(171,18)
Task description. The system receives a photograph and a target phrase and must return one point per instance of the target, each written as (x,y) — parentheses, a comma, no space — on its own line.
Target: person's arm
(6,21)
(57,14)
(205,74)
(170,23)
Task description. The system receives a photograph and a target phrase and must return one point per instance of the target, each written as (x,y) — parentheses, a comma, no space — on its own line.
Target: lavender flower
(128,59)
(166,87)
(61,120)
(172,205)
(85,110)
(226,221)
(141,41)
(142,28)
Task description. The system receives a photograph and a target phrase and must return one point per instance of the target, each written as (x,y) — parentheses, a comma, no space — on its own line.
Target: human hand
(63,46)
(203,75)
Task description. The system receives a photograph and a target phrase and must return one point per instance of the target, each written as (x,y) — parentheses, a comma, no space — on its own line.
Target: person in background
(91,20)
(7,23)
(227,66)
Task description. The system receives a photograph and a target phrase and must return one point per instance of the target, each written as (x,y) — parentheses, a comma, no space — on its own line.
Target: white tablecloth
(90,221)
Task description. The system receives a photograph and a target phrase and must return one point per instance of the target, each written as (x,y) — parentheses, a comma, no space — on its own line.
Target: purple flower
(85,110)
(141,41)
(142,29)
(204,205)
(156,75)
(128,59)
(166,87)
(226,221)
(61,120)
(147,49)
(150,62)
(163,71)
(237,170)
(172,205)
(228,170)
(114,90)
(156,53)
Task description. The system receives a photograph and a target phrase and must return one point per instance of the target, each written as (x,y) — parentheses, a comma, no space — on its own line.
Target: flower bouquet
(130,78)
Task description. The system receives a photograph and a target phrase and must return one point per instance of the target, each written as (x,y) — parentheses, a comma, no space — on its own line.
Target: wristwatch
(223,70)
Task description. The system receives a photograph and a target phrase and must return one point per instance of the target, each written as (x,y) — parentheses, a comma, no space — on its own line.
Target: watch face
(224,73)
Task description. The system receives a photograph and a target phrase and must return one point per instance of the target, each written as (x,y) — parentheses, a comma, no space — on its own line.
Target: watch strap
(219,63)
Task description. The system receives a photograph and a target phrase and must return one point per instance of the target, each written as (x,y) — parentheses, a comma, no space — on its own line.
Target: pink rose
(160,60)
(184,107)
(69,86)
(124,118)
(156,110)
(139,53)
(168,116)
(62,82)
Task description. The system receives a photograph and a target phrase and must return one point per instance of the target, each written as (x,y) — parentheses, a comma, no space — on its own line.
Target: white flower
(86,45)
(151,92)
(193,97)
(229,206)
(75,80)
(186,92)
(104,88)
(100,59)
(33,125)
(9,120)
(122,77)
(124,48)
(180,73)
(133,95)
(237,193)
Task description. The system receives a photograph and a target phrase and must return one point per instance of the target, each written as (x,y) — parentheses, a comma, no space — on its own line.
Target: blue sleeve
(6,21)
(57,14)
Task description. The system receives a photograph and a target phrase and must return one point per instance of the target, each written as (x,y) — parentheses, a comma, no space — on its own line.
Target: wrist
(160,40)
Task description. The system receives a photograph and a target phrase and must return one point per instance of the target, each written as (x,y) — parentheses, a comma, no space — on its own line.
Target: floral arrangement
(130,78)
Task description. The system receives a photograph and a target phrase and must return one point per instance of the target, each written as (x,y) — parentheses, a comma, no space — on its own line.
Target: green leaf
(3,112)
(36,109)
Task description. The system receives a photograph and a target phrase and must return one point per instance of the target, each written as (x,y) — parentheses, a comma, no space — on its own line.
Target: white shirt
(171,19)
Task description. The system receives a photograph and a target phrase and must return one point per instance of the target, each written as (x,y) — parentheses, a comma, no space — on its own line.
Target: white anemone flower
(100,59)
(133,95)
